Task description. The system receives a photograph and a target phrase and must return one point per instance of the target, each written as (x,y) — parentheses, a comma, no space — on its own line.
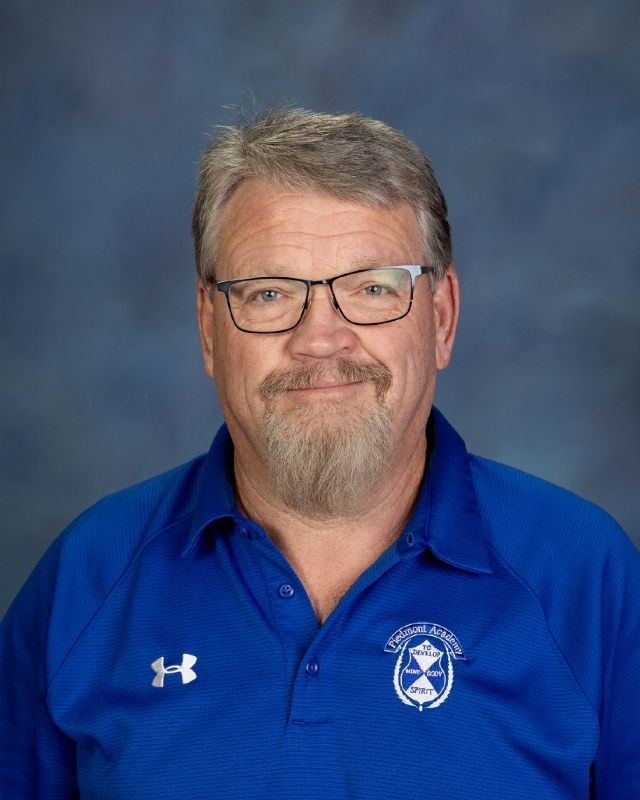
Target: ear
(204,305)
(446,306)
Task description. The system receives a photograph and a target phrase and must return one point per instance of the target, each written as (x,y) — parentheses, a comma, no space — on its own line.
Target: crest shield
(423,674)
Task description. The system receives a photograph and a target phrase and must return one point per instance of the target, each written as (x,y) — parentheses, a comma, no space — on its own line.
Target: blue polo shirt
(163,648)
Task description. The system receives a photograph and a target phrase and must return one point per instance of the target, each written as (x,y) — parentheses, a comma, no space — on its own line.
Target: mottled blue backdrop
(530,113)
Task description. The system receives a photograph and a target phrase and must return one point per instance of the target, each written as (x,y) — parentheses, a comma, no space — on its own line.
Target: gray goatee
(324,459)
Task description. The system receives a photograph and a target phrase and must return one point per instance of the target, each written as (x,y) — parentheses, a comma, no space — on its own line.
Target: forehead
(270,228)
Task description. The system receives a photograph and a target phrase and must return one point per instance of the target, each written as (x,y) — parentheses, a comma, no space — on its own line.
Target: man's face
(269,231)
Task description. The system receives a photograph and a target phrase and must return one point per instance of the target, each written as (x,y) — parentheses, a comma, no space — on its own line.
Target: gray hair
(348,156)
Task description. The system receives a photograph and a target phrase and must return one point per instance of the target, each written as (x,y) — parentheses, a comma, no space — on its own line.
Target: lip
(324,388)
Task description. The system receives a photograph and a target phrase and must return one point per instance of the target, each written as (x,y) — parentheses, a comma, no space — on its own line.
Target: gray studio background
(530,113)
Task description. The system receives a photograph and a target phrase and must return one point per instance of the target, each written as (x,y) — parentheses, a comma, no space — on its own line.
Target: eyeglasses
(364,297)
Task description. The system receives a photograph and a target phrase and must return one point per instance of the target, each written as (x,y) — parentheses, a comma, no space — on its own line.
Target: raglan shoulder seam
(116,582)
(530,589)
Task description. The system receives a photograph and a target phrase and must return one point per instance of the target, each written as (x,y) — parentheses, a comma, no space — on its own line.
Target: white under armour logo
(184,669)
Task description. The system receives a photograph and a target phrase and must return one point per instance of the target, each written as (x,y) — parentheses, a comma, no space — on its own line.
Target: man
(337,601)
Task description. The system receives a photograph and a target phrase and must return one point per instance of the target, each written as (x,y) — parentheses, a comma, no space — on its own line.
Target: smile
(328,386)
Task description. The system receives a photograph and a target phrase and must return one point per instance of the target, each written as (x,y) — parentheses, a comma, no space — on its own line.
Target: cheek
(412,362)
(225,363)
(420,370)
(219,344)
(239,369)
(423,346)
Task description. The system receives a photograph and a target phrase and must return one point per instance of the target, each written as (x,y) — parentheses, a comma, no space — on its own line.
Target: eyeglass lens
(366,297)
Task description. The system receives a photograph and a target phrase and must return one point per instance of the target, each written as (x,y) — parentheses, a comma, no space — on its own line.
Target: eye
(268,295)
(264,296)
(375,290)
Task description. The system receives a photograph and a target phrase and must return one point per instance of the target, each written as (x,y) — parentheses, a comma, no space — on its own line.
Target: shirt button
(406,543)
(312,669)
(286,590)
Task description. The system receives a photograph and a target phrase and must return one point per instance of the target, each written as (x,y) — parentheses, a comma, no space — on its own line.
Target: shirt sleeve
(616,773)
(37,761)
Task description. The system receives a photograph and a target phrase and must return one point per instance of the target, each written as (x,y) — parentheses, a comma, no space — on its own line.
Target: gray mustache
(342,369)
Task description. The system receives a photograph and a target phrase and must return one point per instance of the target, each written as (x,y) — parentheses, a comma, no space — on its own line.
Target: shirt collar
(446,518)
(215,499)
(452,520)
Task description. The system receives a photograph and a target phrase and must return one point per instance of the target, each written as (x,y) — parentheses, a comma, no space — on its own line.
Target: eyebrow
(383,261)
(272,270)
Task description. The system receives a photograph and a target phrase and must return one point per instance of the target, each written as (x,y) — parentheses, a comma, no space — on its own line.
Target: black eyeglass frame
(415,271)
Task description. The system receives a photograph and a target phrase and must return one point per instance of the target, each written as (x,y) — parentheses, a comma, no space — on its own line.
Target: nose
(323,332)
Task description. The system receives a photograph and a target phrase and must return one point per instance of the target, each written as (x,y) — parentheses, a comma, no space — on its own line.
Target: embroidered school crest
(423,675)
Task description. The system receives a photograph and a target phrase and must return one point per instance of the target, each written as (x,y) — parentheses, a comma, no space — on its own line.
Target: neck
(329,554)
